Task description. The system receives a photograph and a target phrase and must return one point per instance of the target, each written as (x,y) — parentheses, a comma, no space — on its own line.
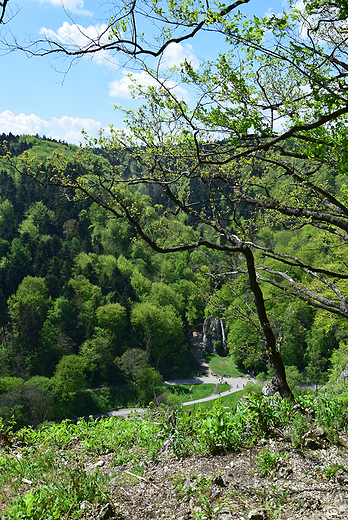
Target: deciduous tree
(257,148)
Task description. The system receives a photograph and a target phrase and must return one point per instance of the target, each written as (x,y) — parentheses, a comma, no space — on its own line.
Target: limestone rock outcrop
(214,339)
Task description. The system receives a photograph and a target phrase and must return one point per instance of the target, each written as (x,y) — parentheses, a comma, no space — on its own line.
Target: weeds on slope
(49,471)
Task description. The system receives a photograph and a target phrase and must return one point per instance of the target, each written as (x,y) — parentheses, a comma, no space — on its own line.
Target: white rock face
(213,331)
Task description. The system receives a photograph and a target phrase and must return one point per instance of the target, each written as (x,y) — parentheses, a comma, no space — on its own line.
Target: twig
(142,478)
(137,476)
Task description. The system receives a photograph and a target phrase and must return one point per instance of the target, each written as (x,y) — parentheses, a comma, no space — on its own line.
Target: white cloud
(122,87)
(74,6)
(21,124)
(175,54)
(71,127)
(65,128)
(75,36)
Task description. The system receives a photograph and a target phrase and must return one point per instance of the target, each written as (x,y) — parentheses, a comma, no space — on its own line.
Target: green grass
(231,399)
(190,392)
(223,387)
(222,365)
(42,148)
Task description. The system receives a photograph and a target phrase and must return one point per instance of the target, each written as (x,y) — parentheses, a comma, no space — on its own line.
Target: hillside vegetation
(265,457)
(84,302)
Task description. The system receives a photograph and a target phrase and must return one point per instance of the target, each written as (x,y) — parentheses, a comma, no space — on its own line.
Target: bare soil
(172,488)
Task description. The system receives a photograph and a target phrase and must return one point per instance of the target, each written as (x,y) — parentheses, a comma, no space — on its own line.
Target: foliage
(68,383)
(31,293)
(159,329)
(255,155)
(54,455)
(97,356)
(143,378)
(339,361)
(51,501)
(267,413)
(267,463)
(112,317)
(72,287)
(224,195)
(9,383)
(293,377)
(330,471)
(300,426)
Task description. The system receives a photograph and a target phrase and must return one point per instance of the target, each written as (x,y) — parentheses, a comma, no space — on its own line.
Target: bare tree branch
(3,6)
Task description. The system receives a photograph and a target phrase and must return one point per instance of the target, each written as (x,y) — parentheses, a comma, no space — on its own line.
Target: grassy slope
(230,400)
(186,393)
(49,472)
(222,365)
(40,150)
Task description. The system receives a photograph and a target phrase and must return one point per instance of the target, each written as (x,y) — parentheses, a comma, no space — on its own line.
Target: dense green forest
(84,302)
(77,291)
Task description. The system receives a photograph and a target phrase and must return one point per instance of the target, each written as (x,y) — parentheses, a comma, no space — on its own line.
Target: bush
(267,463)
(219,348)
(261,378)
(10,383)
(30,404)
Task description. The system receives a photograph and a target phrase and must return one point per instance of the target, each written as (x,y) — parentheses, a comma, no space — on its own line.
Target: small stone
(309,502)
(342,477)
(270,389)
(257,514)
(312,441)
(26,481)
(343,440)
(224,514)
(343,507)
(296,408)
(320,432)
(284,472)
(106,512)
(218,481)
(215,492)
(188,485)
(85,505)
(100,463)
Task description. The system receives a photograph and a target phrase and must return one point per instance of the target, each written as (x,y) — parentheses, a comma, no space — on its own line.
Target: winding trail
(197,350)
(236,384)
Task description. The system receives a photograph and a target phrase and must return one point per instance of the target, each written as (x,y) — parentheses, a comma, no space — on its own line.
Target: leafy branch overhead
(126,32)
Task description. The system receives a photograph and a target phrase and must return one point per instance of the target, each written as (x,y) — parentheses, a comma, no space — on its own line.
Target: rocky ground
(307,483)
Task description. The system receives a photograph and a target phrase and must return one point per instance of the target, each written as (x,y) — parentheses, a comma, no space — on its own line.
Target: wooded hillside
(78,290)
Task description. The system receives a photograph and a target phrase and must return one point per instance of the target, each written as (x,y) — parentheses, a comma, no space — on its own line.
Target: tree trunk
(271,344)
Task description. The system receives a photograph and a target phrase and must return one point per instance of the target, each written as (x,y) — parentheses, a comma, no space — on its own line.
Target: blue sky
(43,95)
